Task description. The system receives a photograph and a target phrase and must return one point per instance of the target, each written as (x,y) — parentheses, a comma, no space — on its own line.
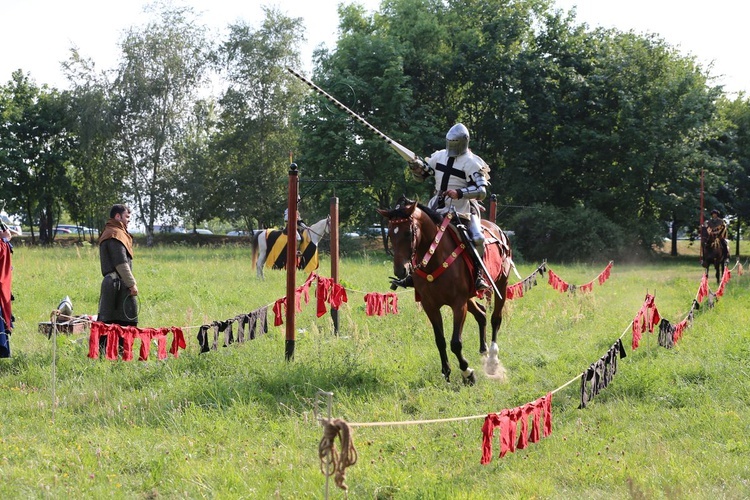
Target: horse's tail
(254,242)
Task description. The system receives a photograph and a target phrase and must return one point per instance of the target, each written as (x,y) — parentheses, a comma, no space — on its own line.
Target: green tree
(35,150)
(162,69)
(95,172)
(613,121)
(735,145)
(368,73)
(196,180)
(255,131)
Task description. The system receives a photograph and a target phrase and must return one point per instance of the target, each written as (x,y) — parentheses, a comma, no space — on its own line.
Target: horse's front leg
(492,365)
(436,319)
(459,317)
(259,267)
(480,315)
(261,258)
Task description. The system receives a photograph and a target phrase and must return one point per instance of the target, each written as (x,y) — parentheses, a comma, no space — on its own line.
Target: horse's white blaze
(395,230)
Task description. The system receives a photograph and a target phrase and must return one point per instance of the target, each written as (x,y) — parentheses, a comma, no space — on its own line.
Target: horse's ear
(382,212)
(409,204)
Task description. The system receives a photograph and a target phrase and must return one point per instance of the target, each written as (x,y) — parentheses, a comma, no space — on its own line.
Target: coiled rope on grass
(346,457)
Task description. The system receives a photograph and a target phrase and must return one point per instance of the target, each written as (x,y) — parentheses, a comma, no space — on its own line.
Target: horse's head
(403,233)
(319,229)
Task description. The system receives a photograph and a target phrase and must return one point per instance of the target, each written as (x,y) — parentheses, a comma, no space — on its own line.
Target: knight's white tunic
(460,176)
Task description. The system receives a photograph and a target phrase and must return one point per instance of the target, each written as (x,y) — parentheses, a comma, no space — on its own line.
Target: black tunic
(116,305)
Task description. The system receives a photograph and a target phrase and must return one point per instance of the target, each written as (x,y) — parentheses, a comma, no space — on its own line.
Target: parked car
(63,230)
(166,228)
(237,232)
(12,226)
(83,230)
(373,231)
(203,231)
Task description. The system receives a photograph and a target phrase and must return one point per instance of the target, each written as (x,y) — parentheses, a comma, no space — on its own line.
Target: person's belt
(113,275)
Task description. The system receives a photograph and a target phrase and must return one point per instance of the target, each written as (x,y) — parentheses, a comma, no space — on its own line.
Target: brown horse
(426,245)
(713,252)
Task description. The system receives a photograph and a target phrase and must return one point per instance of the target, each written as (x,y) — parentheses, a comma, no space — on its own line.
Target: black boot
(480,284)
(406,282)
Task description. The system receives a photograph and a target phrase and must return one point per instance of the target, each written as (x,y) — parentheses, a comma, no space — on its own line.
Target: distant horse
(425,244)
(308,247)
(713,252)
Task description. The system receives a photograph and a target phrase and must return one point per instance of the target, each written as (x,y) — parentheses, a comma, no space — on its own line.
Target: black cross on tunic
(448,170)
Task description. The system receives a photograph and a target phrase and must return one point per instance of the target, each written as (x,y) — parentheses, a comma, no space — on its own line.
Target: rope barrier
(332,426)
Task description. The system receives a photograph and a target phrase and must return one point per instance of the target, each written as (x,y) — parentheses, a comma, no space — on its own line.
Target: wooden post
(493,208)
(291,261)
(335,256)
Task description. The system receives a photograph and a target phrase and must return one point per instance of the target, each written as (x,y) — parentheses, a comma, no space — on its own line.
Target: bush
(566,235)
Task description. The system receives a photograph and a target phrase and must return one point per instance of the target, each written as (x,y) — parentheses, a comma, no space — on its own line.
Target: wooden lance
(403,151)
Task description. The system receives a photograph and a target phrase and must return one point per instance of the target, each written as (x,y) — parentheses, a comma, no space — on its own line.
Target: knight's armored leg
(475,233)
(406,282)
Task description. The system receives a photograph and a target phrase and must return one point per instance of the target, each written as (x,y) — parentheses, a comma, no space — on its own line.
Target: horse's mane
(433,215)
(400,210)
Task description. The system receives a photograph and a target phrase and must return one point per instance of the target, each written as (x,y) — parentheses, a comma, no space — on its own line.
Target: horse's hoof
(469,376)
(492,366)
(494,350)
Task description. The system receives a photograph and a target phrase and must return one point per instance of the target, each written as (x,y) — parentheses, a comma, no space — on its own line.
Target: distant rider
(301,226)
(717,227)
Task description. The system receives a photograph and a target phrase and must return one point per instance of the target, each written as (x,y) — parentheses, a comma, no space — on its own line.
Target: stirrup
(406,282)
(480,284)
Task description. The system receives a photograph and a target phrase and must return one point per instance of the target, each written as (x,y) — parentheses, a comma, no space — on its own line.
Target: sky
(36,35)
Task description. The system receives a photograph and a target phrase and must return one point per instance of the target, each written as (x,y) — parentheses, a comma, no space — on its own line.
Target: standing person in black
(117,303)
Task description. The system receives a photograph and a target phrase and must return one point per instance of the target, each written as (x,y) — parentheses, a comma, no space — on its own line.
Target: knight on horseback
(301,226)
(461,181)
(716,227)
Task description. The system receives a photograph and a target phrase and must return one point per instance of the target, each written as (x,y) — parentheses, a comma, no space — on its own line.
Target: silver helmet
(66,306)
(457,140)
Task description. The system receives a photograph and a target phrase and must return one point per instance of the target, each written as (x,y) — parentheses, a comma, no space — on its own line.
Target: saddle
(489,238)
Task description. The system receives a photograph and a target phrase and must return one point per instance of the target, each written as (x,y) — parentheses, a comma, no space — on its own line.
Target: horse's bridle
(326,229)
(413,244)
(419,268)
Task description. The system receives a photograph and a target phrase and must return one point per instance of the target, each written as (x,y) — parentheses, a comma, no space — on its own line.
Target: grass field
(239,422)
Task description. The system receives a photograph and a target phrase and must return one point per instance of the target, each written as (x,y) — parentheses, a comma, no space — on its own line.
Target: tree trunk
(737,237)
